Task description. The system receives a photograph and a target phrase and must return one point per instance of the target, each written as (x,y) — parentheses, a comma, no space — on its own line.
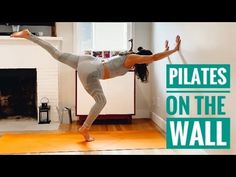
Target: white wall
(142,37)
(66,74)
(201,43)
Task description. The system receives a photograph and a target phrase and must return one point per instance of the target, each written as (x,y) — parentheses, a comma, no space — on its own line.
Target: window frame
(76,38)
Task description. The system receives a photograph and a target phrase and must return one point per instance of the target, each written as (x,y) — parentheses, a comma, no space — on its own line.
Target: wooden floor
(137,124)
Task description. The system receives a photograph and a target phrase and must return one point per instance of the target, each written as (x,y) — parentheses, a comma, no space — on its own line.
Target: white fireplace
(21,53)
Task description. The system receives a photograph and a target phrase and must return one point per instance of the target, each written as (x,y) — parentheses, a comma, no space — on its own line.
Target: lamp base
(45,122)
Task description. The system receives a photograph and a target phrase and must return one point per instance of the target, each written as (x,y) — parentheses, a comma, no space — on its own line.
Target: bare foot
(85,133)
(21,34)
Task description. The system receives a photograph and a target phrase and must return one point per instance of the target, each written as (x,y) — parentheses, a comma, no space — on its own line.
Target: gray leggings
(89,72)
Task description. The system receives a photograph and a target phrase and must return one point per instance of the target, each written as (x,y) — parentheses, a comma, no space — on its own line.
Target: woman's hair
(141,69)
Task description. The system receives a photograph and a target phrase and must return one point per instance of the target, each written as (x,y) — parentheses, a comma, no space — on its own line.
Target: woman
(90,70)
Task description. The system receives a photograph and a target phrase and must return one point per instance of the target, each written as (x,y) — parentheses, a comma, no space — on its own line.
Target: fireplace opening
(18,95)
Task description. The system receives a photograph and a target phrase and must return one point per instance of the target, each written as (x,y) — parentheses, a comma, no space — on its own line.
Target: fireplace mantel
(22,53)
(5,38)
(10,40)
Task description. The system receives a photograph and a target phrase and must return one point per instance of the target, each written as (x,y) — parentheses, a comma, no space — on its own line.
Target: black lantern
(44,111)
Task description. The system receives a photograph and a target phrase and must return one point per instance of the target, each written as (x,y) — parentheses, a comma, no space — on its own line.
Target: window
(102,36)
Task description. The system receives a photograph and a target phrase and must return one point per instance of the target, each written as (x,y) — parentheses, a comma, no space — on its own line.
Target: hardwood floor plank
(137,124)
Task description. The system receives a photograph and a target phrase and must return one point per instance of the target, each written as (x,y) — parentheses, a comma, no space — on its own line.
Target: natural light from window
(103,36)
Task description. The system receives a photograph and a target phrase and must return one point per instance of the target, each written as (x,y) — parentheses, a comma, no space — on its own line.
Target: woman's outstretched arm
(133,59)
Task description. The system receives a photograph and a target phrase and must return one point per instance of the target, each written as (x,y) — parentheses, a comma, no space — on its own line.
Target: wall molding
(161,122)
(141,113)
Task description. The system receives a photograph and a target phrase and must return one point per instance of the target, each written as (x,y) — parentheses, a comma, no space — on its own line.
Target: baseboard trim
(159,121)
(140,113)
